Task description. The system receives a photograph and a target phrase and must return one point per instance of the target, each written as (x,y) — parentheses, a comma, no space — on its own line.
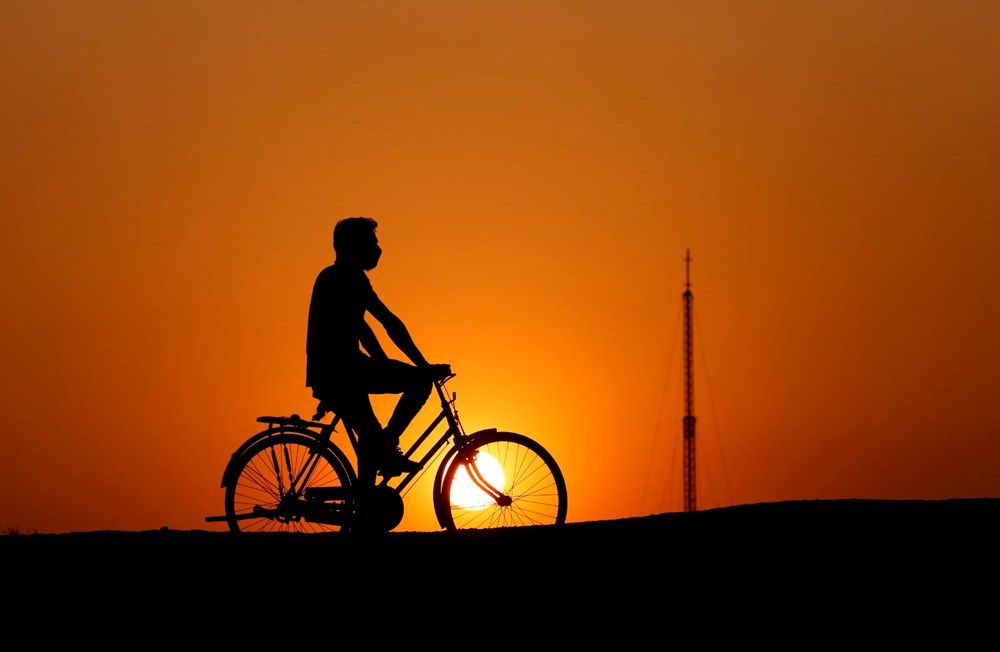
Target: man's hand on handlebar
(439,371)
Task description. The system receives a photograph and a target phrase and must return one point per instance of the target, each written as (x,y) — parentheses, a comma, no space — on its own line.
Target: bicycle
(292,477)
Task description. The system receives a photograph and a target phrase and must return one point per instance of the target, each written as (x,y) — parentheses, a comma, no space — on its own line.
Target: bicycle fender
(446,460)
(232,466)
(484,431)
(238,453)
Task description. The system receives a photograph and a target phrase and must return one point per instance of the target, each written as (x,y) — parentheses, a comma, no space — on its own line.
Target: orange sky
(171,172)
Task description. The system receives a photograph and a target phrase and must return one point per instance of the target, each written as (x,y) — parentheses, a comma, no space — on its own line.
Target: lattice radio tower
(689,420)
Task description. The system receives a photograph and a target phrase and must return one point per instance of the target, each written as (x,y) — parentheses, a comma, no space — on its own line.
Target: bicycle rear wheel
(531,487)
(289,482)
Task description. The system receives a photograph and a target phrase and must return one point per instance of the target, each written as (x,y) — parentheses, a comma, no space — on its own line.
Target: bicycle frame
(323,432)
(454,431)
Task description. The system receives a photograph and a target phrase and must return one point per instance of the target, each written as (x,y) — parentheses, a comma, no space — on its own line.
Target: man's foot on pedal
(395,463)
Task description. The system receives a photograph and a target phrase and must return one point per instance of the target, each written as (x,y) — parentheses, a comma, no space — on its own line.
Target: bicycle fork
(478,479)
(469,459)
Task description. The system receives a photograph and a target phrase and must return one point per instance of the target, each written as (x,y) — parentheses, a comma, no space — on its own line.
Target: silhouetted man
(340,374)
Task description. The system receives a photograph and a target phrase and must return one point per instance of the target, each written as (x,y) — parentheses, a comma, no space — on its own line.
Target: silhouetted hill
(816,558)
(773,531)
(808,522)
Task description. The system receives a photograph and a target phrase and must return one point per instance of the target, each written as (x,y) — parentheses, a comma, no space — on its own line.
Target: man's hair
(349,231)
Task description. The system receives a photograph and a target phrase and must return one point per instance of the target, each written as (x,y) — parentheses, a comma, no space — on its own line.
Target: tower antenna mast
(689,419)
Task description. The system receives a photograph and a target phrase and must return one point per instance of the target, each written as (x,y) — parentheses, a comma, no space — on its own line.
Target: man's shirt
(337,309)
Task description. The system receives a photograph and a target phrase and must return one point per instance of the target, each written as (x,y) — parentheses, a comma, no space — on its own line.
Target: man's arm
(370,342)
(396,331)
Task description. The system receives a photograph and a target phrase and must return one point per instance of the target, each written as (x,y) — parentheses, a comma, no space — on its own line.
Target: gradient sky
(171,173)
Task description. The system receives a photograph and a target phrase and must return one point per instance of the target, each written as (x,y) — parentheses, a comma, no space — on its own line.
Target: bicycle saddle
(322,410)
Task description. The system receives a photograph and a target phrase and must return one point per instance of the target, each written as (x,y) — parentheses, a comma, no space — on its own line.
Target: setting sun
(465,494)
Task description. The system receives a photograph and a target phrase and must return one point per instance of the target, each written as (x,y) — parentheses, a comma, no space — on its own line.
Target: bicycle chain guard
(380,509)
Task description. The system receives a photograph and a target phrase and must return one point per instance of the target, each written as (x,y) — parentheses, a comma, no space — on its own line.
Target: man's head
(355,242)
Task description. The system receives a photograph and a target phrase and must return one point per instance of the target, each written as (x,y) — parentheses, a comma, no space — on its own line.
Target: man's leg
(350,399)
(412,383)
(354,407)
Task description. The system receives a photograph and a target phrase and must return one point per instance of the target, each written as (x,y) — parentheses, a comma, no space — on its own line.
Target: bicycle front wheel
(515,482)
(289,483)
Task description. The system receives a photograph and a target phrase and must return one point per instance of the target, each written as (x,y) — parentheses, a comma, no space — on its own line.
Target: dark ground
(828,559)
